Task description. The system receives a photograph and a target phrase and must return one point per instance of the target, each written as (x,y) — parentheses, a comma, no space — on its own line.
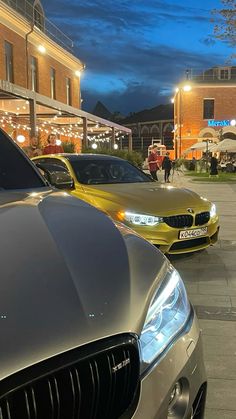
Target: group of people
(156,162)
(34,148)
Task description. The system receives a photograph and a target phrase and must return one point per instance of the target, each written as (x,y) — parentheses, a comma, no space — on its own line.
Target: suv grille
(179,221)
(202,218)
(97,381)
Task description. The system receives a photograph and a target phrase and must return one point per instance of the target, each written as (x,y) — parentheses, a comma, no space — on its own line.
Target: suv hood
(68,277)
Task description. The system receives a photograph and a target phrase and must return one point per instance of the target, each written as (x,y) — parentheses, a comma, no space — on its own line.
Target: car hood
(149,197)
(69,276)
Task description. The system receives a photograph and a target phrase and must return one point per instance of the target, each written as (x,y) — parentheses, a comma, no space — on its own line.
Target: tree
(225,22)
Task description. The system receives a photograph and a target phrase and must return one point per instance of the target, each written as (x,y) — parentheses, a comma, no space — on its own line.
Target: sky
(136,51)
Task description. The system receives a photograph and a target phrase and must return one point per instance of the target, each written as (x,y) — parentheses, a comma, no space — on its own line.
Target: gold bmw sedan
(173,219)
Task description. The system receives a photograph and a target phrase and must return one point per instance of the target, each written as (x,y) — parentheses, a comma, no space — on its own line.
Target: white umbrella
(201,146)
(225,145)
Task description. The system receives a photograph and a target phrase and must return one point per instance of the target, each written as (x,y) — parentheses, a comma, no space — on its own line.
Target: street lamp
(179,107)
(207,141)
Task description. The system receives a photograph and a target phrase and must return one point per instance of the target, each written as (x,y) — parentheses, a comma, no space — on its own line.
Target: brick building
(205,107)
(149,126)
(40,80)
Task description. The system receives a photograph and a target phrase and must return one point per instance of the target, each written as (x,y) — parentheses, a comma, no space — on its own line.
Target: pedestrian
(33,149)
(52,147)
(166,165)
(213,166)
(153,162)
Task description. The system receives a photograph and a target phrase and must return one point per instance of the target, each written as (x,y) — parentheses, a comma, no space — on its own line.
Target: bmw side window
(16,172)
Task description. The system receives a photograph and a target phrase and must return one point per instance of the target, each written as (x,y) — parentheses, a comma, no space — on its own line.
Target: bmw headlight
(141,219)
(213,210)
(168,313)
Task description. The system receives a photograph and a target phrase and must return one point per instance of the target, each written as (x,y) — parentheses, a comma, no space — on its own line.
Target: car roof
(74,156)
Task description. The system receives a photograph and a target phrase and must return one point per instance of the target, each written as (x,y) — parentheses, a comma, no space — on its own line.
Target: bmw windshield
(107,171)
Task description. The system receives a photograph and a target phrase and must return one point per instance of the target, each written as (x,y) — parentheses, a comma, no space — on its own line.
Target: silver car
(95,322)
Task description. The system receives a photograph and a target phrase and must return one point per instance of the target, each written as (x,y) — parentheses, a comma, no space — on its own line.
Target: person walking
(153,162)
(52,147)
(213,166)
(166,165)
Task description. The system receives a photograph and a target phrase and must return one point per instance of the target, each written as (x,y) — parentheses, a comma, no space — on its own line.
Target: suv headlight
(168,313)
(141,219)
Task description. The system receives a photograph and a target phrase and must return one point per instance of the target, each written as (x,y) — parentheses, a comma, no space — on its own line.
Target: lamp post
(178,103)
(207,141)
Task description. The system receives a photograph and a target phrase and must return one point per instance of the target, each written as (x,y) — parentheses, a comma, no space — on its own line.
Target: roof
(159,113)
(102,111)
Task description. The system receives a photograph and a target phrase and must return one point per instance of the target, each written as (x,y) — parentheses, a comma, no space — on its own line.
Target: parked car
(175,220)
(95,322)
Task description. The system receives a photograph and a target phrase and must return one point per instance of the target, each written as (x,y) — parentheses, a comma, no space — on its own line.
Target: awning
(20,107)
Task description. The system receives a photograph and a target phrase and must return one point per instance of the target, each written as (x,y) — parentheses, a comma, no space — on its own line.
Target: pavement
(210,279)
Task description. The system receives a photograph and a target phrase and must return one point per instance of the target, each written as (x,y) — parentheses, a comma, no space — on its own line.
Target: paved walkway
(210,278)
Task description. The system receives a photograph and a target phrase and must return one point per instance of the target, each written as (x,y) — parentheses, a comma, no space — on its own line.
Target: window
(224,73)
(38,17)
(208,108)
(34,74)
(53,83)
(9,61)
(106,171)
(68,91)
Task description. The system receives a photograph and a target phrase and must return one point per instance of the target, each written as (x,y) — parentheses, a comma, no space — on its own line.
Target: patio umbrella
(225,145)
(200,146)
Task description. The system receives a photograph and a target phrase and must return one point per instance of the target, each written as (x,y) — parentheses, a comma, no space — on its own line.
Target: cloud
(135,51)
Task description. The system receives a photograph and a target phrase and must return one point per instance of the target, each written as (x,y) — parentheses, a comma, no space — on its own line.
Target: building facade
(205,108)
(40,80)
(150,126)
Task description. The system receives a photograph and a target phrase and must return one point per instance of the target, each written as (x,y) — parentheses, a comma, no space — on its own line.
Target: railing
(215,74)
(35,16)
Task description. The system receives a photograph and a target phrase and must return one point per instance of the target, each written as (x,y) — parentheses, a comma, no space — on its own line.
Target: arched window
(155,131)
(168,128)
(135,131)
(39,16)
(207,135)
(145,130)
(168,136)
(230,135)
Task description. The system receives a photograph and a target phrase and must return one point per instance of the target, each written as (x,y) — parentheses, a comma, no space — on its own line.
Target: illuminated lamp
(187,88)
(20,138)
(41,49)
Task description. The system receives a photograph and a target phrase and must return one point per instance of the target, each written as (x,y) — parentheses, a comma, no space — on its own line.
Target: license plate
(190,234)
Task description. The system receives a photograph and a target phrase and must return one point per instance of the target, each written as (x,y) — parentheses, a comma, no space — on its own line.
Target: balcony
(222,75)
(35,16)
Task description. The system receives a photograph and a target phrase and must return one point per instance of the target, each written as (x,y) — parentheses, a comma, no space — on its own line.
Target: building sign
(223,123)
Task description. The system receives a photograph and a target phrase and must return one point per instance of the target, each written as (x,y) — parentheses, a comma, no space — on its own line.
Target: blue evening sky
(135,51)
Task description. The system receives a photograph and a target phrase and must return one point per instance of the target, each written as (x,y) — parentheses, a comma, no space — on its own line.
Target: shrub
(133,157)
(68,147)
